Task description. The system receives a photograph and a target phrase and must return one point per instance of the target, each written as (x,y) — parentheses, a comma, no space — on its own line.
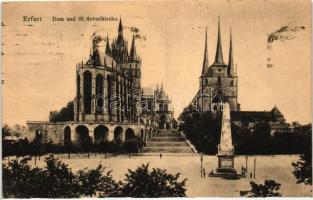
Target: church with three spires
(218,81)
(219,85)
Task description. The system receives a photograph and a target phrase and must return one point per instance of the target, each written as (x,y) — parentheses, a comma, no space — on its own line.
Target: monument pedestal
(226,164)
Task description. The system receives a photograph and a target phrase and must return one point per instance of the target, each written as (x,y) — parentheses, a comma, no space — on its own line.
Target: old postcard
(156,99)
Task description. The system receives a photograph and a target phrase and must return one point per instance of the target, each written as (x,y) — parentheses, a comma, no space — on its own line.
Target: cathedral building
(108,84)
(109,98)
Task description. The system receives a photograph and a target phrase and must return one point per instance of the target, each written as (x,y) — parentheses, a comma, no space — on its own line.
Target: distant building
(249,120)
(158,108)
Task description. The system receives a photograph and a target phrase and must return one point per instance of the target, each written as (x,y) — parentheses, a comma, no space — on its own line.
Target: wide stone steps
(167,144)
(169,135)
(167,141)
(168,149)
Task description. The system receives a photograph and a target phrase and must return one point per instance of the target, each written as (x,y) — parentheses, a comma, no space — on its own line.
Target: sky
(39,57)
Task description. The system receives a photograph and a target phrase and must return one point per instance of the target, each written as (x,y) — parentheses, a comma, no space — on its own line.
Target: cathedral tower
(218,83)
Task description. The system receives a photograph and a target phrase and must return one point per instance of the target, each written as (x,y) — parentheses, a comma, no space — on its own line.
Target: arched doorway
(162,121)
(82,135)
(67,135)
(218,103)
(129,134)
(118,133)
(101,134)
(87,91)
(142,134)
(38,137)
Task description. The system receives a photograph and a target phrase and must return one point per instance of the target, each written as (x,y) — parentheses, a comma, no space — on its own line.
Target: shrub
(133,145)
(303,168)
(155,183)
(269,189)
(95,182)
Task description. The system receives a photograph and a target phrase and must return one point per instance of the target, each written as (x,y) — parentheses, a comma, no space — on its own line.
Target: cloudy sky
(40,57)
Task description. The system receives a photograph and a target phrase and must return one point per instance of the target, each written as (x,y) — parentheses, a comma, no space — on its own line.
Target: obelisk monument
(225,148)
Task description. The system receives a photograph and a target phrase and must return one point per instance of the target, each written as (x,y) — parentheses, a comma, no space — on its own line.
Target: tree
(133,145)
(59,180)
(65,114)
(269,189)
(6,131)
(155,183)
(18,130)
(55,180)
(96,182)
(303,167)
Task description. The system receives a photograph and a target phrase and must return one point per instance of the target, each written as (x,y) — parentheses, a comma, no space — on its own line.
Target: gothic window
(78,86)
(231,82)
(219,80)
(78,92)
(99,93)
(87,91)
(109,98)
(206,81)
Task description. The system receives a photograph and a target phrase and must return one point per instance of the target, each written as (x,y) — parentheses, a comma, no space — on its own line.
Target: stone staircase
(167,141)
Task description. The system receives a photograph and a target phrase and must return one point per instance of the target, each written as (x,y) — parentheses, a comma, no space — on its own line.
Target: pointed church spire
(96,58)
(205,58)
(219,51)
(230,68)
(133,53)
(162,86)
(120,27)
(120,38)
(107,48)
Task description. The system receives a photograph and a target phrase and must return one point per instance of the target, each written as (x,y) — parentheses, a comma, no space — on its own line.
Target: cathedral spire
(107,48)
(120,39)
(133,53)
(120,27)
(205,58)
(230,68)
(219,51)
